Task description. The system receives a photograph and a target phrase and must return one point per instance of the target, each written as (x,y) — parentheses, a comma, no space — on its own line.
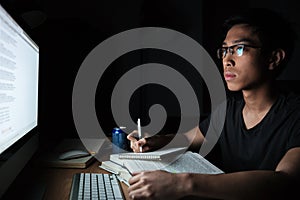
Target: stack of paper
(187,162)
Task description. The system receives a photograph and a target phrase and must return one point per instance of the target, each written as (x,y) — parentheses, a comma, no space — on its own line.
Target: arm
(260,184)
(192,138)
(252,184)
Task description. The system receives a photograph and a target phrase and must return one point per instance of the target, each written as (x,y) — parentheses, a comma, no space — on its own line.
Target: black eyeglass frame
(222,52)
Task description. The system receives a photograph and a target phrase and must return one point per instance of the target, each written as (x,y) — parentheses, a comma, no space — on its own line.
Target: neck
(260,99)
(258,102)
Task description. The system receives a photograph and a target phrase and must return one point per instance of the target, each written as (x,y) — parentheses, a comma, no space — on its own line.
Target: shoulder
(288,105)
(293,98)
(290,101)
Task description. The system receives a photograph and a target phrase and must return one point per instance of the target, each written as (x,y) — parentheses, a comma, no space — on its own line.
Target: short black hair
(274,31)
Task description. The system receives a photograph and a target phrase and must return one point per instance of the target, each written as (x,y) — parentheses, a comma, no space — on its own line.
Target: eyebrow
(240,40)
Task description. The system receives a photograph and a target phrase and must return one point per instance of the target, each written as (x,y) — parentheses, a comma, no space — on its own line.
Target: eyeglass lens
(236,49)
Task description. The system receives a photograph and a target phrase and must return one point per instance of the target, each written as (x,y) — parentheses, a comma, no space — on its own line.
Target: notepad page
(156,155)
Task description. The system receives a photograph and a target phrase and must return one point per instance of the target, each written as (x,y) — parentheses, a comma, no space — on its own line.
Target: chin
(233,87)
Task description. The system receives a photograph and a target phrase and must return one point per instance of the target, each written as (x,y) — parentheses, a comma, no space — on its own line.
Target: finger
(142,142)
(135,178)
(131,138)
(135,173)
(133,133)
(137,146)
(140,145)
(134,147)
(137,193)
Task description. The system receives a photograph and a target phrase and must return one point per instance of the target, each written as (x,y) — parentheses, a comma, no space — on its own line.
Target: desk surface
(37,182)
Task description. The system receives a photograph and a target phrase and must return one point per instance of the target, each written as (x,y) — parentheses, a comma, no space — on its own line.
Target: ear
(276,58)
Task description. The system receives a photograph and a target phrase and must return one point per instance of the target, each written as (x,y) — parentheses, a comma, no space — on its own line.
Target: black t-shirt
(261,147)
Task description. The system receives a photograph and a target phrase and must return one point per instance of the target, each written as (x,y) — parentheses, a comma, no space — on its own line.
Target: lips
(229,76)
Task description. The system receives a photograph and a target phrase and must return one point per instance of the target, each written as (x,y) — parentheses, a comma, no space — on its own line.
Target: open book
(122,173)
(156,155)
(188,162)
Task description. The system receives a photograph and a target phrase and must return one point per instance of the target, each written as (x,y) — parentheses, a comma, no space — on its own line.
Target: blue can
(120,140)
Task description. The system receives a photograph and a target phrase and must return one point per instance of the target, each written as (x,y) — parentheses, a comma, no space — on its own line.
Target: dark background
(66,31)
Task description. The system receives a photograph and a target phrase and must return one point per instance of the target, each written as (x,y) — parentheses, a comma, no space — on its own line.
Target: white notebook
(187,162)
(156,155)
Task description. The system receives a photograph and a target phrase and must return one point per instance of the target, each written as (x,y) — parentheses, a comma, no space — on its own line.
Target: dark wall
(66,31)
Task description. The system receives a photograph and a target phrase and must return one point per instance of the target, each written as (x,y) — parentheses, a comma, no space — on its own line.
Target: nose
(228,61)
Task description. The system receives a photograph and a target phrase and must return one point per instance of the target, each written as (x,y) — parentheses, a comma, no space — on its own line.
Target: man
(259,147)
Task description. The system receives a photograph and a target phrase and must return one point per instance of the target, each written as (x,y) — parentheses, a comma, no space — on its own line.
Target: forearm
(192,139)
(239,185)
(195,138)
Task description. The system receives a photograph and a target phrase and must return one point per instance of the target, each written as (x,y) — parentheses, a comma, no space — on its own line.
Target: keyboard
(95,186)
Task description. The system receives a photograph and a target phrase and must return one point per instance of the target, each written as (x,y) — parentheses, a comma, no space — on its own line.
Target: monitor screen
(19,63)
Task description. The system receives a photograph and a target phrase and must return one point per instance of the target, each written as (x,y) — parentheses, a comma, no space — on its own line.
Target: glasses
(237,49)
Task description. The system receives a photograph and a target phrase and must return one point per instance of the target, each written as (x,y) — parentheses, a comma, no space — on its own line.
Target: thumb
(142,142)
(132,136)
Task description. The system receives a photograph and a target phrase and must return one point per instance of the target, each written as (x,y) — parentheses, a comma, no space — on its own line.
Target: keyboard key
(95,186)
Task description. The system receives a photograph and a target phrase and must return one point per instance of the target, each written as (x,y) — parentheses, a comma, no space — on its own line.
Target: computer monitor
(19,64)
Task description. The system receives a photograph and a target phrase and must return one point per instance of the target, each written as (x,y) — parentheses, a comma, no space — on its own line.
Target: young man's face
(245,68)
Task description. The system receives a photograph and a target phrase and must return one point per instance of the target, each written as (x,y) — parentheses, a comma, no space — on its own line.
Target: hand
(154,185)
(135,144)
(148,143)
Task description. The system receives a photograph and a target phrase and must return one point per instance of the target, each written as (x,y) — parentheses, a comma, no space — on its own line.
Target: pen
(139,132)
